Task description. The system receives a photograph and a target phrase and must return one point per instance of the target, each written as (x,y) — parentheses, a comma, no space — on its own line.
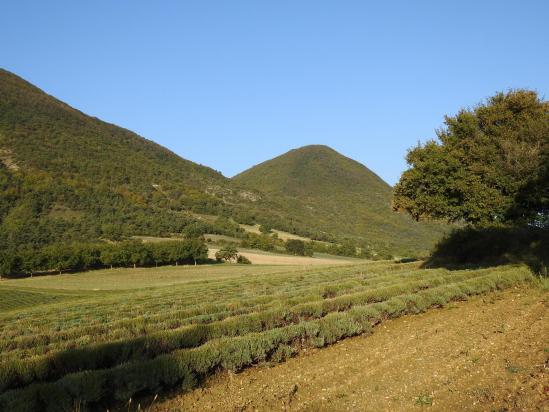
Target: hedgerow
(76,256)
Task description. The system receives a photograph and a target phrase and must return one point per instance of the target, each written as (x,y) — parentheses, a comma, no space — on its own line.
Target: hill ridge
(345,195)
(80,177)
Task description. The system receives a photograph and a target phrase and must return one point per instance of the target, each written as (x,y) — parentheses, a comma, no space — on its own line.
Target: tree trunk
(195,262)
(134,266)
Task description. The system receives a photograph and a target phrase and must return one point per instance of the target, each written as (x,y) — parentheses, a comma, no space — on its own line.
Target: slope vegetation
(68,176)
(335,194)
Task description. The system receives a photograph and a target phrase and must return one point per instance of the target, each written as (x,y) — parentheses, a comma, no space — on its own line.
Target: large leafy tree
(489,164)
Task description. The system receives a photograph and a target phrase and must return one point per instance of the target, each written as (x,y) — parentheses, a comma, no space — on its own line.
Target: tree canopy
(228,254)
(490,164)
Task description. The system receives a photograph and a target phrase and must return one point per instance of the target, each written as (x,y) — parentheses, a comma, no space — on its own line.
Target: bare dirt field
(487,354)
(265,258)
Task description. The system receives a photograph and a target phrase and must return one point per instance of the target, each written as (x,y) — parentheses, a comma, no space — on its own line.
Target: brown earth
(265,258)
(488,354)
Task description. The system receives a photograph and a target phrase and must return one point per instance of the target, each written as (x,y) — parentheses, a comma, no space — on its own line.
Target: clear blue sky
(232,83)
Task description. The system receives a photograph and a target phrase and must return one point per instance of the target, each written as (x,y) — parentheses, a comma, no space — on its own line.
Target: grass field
(93,339)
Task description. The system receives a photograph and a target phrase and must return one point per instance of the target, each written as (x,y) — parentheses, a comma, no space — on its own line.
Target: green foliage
(197,229)
(295,247)
(348,247)
(265,229)
(243,260)
(126,185)
(228,254)
(262,242)
(336,198)
(490,165)
(84,256)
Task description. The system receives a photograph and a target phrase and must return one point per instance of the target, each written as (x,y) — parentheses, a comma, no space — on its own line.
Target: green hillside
(338,195)
(41,134)
(66,177)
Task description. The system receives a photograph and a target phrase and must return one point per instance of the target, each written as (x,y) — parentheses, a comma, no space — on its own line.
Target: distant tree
(243,260)
(178,251)
(347,248)
(109,256)
(228,254)
(265,229)
(195,230)
(160,253)
(225,226)
(295,247)
(62,257)
(139,254)
(262,242)
(490,164)
(198,250)
(112,232)
(9,264)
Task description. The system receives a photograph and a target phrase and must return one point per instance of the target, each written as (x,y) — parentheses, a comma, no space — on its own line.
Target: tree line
(74,257)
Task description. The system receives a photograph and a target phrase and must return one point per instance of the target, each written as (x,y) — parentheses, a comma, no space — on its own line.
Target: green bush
(228,254)
(295,247)
(243,260)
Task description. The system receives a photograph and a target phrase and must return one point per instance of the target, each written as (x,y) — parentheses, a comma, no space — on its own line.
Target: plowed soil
(490,353)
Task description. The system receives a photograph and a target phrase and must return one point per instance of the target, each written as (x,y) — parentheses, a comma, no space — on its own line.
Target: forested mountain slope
(66,176)
(337,195)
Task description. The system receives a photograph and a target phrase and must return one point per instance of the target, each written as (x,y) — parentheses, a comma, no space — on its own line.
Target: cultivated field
(259,257)
(94,339)
(489,353)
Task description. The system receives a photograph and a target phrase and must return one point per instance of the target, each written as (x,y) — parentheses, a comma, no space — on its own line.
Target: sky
(230,84)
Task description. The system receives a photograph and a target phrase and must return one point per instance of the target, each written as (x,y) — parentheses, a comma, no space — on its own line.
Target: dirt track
(274,259)
(487,354)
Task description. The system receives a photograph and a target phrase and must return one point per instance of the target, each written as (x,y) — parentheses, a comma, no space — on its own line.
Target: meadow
(94,340)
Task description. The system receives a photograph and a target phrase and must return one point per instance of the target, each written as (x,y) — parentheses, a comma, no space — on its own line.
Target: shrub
(295,247)
(228,254)
(243,260)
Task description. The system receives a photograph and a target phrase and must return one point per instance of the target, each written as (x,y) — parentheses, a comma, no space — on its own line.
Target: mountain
(66,176)
(42,134)
(338,195)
